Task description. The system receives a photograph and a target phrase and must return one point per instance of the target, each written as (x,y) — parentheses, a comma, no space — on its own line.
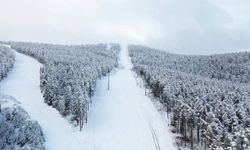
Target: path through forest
(23,83)
(121,118)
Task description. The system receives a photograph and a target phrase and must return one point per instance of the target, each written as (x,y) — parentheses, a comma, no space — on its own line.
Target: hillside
(206,97)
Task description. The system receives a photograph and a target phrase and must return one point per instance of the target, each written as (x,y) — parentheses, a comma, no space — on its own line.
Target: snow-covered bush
(209,111)
(70,72)
(17,130)
(7,58)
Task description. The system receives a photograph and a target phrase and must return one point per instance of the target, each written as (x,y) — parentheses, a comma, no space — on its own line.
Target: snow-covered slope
(23,84)
(121,118)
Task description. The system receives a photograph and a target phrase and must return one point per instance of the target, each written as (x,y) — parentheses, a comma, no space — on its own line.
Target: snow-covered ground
(22,83)
(121,118)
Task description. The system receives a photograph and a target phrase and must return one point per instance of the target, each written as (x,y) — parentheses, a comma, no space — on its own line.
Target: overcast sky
(179,26)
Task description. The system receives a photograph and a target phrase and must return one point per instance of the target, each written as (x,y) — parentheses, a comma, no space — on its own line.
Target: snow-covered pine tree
(207,94)
(65,65)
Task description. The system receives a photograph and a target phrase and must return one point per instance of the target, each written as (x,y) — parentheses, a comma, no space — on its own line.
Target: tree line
(208,105)
(17,129)
(7,59)
(69,74)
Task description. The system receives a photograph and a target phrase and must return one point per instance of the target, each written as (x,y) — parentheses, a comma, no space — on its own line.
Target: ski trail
(23,83)
(121,118)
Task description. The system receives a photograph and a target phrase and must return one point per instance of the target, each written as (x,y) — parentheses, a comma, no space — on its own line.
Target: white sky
(179,26)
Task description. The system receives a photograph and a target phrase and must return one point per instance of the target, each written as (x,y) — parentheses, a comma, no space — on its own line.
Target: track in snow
(23,83)
(122,118)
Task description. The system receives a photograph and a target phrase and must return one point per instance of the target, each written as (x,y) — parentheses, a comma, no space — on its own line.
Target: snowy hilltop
(133,98)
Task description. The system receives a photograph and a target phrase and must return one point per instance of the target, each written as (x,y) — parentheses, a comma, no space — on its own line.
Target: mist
(177,26)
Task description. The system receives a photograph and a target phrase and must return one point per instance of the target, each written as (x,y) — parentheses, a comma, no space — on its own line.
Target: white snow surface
(121,118)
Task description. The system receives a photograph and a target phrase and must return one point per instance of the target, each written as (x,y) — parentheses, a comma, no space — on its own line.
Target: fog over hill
(189,27)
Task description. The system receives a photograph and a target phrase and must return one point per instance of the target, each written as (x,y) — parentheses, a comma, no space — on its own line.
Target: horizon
(181,27)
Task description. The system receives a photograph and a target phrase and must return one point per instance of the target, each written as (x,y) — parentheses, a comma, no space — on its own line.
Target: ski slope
(23,83)
(121,118)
